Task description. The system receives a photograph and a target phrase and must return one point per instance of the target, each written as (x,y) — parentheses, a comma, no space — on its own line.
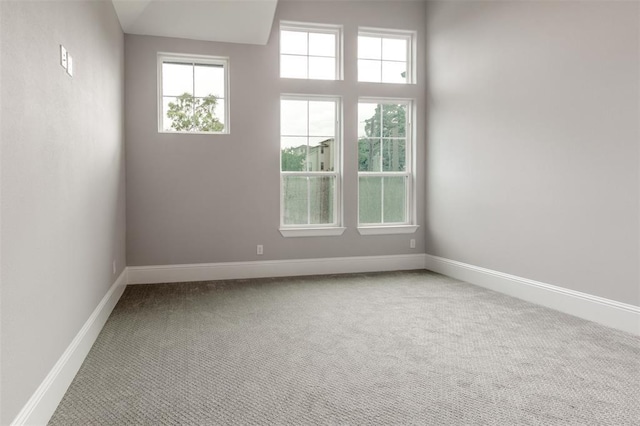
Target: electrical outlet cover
(69,65)
(63,57)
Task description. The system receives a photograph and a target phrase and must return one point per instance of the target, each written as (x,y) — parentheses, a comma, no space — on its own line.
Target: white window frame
(409,36)
(313,28)
(194,59)
(409,226)
(335,228)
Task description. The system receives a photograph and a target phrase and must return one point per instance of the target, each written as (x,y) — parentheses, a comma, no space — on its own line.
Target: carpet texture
(405,348)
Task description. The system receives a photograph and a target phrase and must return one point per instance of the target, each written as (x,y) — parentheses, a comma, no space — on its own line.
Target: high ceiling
(234,21)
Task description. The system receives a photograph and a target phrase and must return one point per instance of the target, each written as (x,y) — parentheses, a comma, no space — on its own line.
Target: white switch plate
(412,243)
(260,249)
(63,57)
(69,65)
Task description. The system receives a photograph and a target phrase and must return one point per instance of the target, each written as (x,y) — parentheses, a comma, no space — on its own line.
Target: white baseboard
(272,268)
(593,308)
(43,403)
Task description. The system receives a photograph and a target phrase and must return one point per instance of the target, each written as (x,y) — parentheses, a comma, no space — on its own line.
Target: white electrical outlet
(260,249)
(63,57)
(412,243)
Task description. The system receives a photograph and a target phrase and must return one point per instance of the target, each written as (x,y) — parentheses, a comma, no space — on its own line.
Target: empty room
(315,212)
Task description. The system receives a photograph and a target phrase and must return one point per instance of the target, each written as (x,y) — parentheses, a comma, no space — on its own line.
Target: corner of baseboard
(603,311)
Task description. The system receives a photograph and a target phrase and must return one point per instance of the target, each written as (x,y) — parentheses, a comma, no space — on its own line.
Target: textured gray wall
(63,216)
(533,141)
(203,198)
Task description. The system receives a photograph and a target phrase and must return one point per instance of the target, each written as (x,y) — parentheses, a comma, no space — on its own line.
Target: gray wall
(213,198)
(533,141)
(63,217)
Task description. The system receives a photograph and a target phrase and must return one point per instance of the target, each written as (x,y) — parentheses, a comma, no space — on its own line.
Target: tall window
(385,56)
(193,94)
(385,195)
(309,163)
(310,51)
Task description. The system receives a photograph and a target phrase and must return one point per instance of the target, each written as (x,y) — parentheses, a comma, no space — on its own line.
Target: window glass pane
(209,80)
(167,122)
(178,113)
(321,190)
(293,117)
(322,44)
(322,118)
(394,120)
(293,153)
(293,66)
(370,199)
(365,113)
(395,193)
(294,200)
(177,79)
(394,72)
(293,42)
(369,71)
(394,49)
(219,112)
(322,68)
(393,155)
(369,47)
(321,155)
(369,155)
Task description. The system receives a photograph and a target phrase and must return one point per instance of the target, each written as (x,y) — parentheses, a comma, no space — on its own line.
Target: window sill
(387,230)
(312,232)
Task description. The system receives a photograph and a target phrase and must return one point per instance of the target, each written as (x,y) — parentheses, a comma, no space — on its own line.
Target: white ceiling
(234,21)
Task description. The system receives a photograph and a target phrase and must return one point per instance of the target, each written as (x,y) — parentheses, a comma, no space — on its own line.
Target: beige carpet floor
(404,348)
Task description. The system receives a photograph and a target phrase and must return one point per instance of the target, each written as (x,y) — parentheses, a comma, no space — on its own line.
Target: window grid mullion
(308,200)
(308,58)
(308,151)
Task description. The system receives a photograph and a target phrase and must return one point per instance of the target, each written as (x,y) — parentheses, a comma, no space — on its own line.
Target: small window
(385,56)
(309,164)
(310,51)
(385,195)
(193,94)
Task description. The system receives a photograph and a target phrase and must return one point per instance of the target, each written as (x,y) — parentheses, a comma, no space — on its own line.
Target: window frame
(409,36)
(335,228)
(336,30)
(192,59)
(409,226)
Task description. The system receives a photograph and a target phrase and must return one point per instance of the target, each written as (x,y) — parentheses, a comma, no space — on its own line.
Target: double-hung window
(310,164)
(385,172)
(193,94)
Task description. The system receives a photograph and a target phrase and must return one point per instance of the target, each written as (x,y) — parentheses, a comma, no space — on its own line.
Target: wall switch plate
(114,266)
(69,65)
(412,243)
(63,57)
(260,249)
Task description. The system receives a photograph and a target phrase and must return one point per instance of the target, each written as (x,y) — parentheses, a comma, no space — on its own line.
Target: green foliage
(191,114)
(388,121)
(292,159)
(393,121)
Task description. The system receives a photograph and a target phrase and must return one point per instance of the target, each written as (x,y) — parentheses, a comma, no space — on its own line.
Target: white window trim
(330,229)
(410,36)
(314,28)
(409,226)
(333,231)
(199,59)
(387,230)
